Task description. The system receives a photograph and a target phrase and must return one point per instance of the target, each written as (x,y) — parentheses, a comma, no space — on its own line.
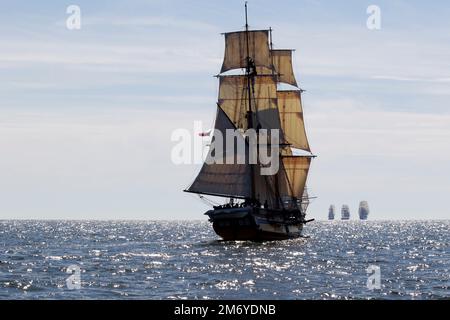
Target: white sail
(364,210)
(331,212)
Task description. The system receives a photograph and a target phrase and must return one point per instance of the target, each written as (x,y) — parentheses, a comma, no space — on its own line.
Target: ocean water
(185,260)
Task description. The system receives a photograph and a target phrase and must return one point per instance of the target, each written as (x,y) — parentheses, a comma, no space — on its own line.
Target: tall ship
(345,212)
(258,206)
(363,210)
(331,212)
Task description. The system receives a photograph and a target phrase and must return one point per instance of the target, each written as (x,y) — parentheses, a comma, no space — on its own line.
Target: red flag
(205,134)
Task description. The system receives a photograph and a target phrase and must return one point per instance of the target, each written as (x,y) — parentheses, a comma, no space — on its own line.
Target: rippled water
(184,260)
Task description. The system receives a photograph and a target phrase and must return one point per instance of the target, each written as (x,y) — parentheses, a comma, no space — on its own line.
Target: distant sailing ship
(259,207)
(331,212)
(364,210)
(345,212)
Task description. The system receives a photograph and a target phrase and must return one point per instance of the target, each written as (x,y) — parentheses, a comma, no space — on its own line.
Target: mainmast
(271,49)
(250,73)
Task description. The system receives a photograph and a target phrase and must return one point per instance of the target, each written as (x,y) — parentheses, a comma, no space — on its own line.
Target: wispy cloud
(87,116)
(173,22)
(351,50)
(412,79)
(345,127)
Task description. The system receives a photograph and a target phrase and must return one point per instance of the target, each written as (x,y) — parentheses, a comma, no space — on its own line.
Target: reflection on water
(185,260)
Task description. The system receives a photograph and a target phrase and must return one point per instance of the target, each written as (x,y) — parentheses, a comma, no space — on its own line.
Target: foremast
(250,72)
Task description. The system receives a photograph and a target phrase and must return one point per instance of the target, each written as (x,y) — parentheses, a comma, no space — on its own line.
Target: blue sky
(86,116)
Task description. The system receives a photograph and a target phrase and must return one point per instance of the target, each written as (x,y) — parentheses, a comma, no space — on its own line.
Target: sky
(86,116)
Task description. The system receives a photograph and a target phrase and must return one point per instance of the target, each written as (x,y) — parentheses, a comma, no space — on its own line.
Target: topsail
(291,117)
(282,64)
(236,46)
(234,97)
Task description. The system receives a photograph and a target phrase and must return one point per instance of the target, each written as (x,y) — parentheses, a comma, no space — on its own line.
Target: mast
(270,37)
(250,75)
(271,50)
(277,178)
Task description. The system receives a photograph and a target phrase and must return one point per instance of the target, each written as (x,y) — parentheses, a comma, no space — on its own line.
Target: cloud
(412,79)
(121,58)
(346,127)
(388,158)
(86,116)
(115,163)
(151,21)
(353,51)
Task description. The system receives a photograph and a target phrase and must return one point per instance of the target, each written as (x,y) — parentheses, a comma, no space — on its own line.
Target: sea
(408,260)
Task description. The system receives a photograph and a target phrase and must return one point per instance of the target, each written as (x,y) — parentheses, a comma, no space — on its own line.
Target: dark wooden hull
(252,224)
(250,234)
